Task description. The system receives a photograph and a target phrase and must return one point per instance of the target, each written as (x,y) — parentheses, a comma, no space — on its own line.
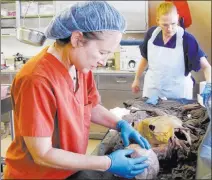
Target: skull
(152,170)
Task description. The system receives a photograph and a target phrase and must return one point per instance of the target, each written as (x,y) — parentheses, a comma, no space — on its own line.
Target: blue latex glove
(153,100)
(124,166)
(129,133)
(206,92)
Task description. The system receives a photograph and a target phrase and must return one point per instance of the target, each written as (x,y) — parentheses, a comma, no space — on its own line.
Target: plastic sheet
(204,151)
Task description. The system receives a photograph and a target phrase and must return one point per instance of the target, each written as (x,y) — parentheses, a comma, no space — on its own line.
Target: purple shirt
(192,50)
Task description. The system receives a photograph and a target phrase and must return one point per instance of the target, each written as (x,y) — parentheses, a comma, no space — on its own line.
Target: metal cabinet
(118,81)
(115,98)
(7,78)
(115,82)
(135,13)
(96,78)
(116,88)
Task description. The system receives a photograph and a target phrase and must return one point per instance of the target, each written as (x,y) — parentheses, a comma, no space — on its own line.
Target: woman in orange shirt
(55,99)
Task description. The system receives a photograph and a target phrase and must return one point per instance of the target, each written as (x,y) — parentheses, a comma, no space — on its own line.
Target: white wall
(10,46)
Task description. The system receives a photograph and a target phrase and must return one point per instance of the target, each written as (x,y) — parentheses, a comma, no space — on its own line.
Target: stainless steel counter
(13,70)
(6,104)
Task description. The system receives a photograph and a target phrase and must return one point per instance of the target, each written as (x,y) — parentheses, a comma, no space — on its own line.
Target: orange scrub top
(45,105)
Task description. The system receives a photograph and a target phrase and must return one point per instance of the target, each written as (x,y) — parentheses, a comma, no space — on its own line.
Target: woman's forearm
(61,159)
(141,67)
(103,116)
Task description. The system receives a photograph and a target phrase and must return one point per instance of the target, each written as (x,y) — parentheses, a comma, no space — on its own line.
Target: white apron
(166,67)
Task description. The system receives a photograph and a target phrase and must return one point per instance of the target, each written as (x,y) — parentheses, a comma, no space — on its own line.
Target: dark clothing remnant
(182,162)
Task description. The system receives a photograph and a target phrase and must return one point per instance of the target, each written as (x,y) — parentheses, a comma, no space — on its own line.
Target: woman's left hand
(206,92)
(129,133)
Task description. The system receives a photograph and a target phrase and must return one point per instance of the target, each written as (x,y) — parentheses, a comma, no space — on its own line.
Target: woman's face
(168,23)
(87,56)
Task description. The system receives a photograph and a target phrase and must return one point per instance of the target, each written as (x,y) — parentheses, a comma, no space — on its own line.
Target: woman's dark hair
(86,35)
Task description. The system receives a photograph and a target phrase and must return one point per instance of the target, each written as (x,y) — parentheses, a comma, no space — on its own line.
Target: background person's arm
(206,68)
(141,68)
(44,154)
(144,60)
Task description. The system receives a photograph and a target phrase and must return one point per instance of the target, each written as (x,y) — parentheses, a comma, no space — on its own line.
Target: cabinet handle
(121,81)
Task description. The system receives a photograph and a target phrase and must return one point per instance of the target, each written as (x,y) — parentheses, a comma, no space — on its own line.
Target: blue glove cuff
(120,124)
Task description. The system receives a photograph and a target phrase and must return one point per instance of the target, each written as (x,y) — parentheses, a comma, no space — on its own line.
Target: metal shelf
(8,17)
(13,1)
(41,16)
(8,32)
(9,21)
(29,16)
(7,2)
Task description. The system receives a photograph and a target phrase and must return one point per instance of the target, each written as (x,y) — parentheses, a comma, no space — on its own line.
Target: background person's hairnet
(85,17)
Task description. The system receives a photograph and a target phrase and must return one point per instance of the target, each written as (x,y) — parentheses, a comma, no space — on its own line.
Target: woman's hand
(124,166)
(129,133)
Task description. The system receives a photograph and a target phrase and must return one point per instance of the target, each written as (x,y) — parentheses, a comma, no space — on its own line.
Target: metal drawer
(116,81)
(95,78)
(115,98)
(6,78)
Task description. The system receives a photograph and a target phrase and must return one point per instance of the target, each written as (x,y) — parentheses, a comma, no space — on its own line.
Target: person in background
(171,54)
(55,98)
(183,10)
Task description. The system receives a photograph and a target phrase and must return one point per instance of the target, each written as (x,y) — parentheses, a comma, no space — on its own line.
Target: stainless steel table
(6,106)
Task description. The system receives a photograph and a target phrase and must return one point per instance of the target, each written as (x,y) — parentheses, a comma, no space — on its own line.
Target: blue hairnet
(85,17)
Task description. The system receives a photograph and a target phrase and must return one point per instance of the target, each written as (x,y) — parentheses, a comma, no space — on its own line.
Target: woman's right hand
(136,86)
(124,166)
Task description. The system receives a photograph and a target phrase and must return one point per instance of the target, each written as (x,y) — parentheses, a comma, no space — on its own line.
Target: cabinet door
(96,78)
(61,5)
(115,98)
(135,13)
(6,78)
(121,82)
